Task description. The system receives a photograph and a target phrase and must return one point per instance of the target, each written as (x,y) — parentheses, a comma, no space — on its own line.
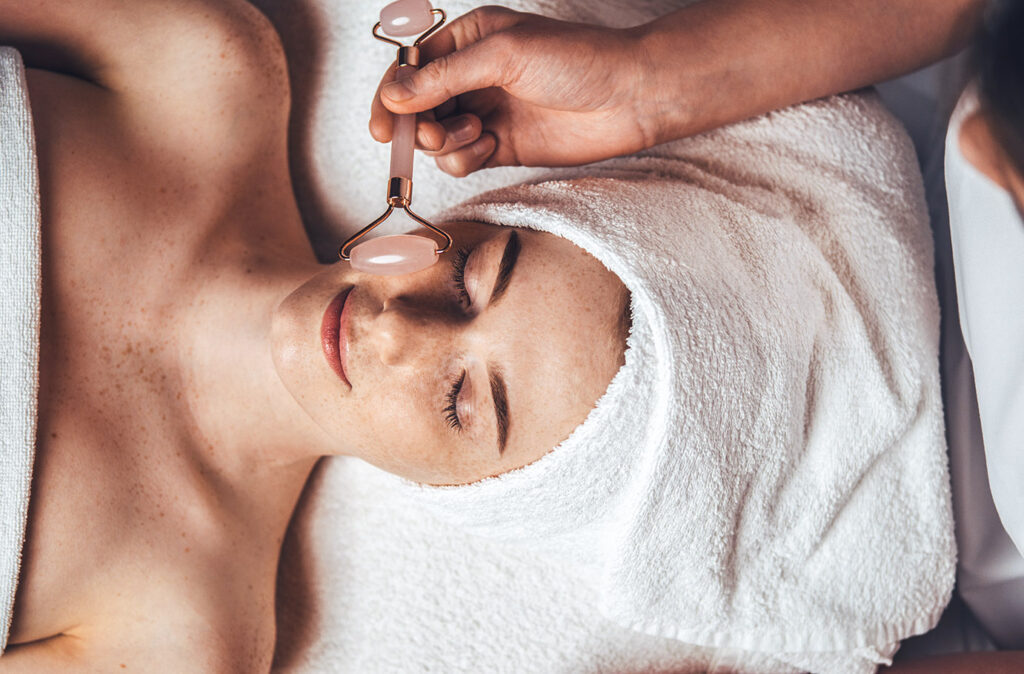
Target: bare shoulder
(143,46)
(212,75)
(204,55)
(197,76)
(186,107)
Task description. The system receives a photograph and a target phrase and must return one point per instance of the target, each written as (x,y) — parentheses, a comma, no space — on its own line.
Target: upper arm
(119,44)
(198,79)
(184,64)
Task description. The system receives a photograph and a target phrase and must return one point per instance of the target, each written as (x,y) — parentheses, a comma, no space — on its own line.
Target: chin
(297,353)
(289,339)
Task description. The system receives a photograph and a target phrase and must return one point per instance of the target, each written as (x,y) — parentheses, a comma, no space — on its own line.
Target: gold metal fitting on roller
(399,192)
(343,252)
(409,56)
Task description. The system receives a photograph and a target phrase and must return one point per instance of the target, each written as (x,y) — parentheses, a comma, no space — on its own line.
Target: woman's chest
(128,534)
(124,546)
(123,524)
(93,516)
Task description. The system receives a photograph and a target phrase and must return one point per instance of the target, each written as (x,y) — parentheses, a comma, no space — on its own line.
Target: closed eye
(451,409)
(459,261)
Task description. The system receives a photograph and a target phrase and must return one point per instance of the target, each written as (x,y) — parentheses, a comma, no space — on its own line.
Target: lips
(334,336)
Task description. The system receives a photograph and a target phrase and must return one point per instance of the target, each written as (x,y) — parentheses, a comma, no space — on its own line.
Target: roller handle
(403,140)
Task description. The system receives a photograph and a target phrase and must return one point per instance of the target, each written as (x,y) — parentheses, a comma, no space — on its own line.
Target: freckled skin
(135,527)
(171,447)
(553,335)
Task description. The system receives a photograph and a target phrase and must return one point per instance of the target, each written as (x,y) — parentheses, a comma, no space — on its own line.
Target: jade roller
(401,253)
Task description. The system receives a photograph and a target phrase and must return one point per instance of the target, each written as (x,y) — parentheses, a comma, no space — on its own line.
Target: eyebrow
(499,394)
(505,267)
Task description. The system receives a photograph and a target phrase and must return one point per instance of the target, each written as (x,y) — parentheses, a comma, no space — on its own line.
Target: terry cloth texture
(19,321)
(768,469)
(371,580)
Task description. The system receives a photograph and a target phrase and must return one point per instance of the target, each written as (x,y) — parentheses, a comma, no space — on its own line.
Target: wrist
(670,79)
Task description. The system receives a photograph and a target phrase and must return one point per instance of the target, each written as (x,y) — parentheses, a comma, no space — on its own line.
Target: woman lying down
(705,378)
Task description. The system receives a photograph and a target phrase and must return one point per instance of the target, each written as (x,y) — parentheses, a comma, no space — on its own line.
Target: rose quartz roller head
(402,253)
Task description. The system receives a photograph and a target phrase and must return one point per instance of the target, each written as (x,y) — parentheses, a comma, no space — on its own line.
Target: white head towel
(19,321)
(767,471)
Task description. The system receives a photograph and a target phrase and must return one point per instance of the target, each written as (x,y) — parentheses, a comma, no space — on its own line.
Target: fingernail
(397,91)
(483,147)
(462,130)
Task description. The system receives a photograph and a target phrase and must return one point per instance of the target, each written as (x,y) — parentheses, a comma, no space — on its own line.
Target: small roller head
(405,18)
(394,255)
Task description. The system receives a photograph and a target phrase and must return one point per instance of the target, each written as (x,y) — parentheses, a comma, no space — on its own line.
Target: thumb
(481,65)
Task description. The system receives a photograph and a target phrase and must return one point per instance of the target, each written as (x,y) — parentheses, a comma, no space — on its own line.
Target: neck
(249,435)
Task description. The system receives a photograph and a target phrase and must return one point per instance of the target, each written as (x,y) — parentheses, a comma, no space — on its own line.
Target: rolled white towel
(393,587)
(19,321)
(766,477)
(768,471)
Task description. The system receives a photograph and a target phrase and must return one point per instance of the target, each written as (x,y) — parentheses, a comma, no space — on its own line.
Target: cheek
(390,426)
(415,446)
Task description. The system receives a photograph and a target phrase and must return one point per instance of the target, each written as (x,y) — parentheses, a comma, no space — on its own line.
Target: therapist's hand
(504,88)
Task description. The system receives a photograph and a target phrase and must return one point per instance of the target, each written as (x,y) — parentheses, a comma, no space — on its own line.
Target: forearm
(721,61)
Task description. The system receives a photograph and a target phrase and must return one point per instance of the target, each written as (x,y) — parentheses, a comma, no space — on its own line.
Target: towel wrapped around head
(767,471)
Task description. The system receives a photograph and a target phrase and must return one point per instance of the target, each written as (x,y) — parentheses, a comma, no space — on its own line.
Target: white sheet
(368,557)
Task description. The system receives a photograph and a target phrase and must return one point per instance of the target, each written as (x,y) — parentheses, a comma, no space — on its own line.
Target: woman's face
(475,366)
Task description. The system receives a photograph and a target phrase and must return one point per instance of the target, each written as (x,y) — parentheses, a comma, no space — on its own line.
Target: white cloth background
(357,559)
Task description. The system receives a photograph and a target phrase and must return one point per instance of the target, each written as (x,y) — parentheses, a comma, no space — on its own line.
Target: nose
(404,334)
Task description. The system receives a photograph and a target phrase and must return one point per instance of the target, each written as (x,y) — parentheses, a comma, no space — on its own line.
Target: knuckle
(434,76)
(503,51)
(475,21)
(503,43)
(490,17)
(479,22)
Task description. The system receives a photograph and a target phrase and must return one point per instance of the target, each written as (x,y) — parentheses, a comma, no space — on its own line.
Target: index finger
(464,31)
(430,135)
(382,120)
(471,27)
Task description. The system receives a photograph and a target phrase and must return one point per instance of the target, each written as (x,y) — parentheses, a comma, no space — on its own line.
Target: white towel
(19,322)
(768,469)
(393,588)
(372,583)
